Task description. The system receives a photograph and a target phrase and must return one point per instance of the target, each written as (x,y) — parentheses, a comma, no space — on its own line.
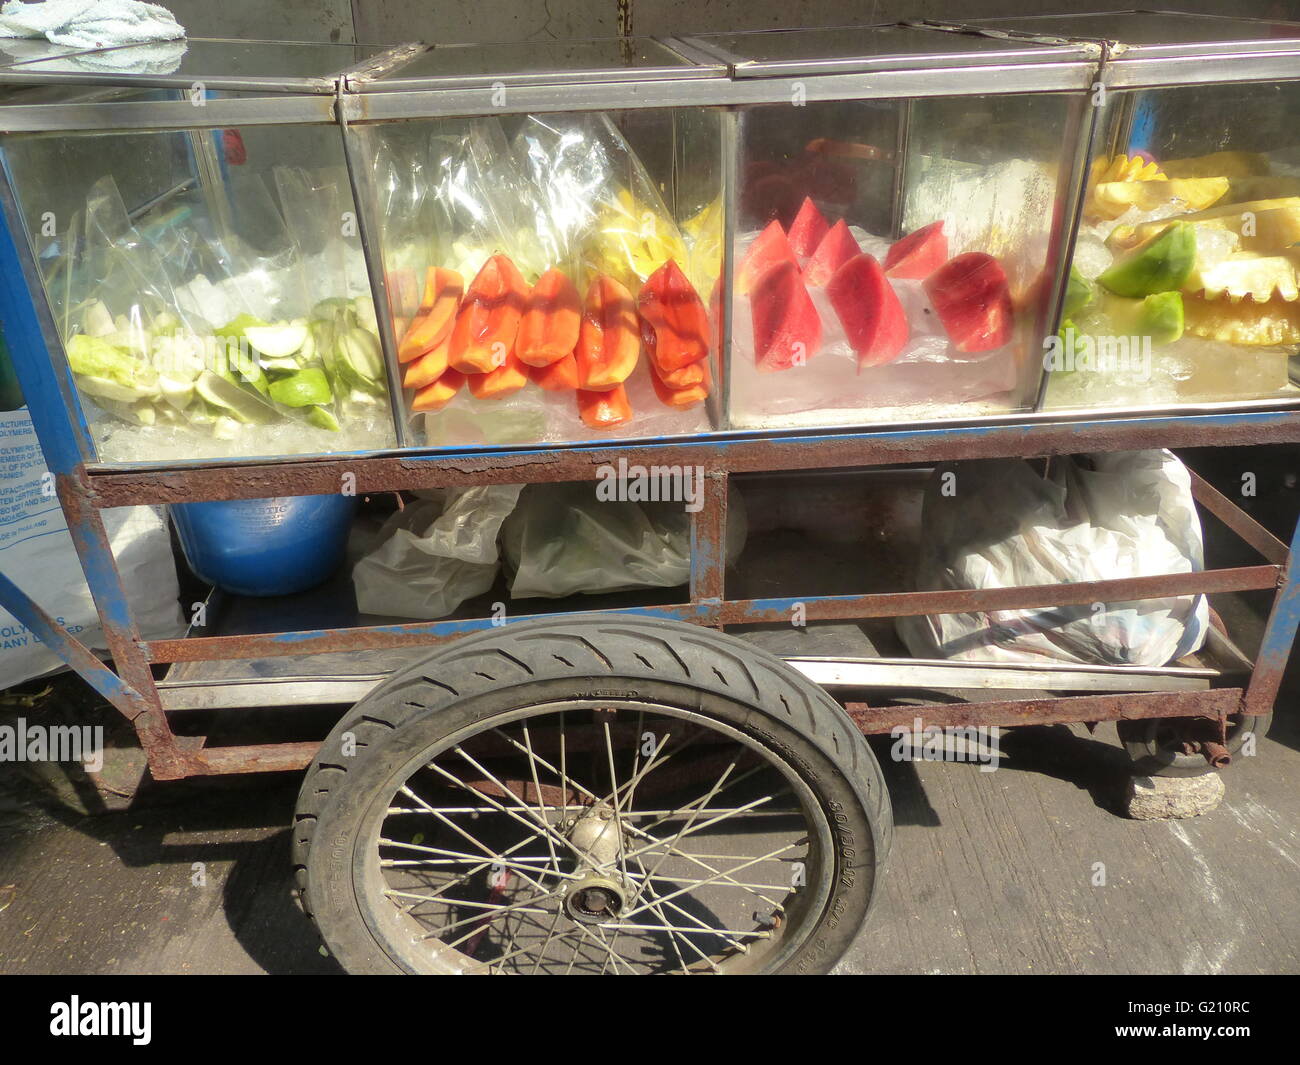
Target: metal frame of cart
(702,73)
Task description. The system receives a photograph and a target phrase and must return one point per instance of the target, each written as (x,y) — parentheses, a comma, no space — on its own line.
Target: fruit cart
(800,270)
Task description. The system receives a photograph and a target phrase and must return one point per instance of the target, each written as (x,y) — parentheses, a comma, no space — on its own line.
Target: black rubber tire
(488,674)
(1152,759)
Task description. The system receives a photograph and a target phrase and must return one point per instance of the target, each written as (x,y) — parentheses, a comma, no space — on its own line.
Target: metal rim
(578,891)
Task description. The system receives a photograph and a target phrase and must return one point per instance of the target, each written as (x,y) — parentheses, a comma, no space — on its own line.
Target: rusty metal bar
(743,454)
(905,604)
(257,758)
(709,540)
(1237,520)
(419,634)
(68,648)
(1279,637)
(121,634)
(733,612)
(1208,704)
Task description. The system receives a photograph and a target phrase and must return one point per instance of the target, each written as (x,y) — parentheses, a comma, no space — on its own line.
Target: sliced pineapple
(1110,199)
(1253,277)
(1124,168)
(1264,324)
(1262,188)
(1219,164)
(1263,226)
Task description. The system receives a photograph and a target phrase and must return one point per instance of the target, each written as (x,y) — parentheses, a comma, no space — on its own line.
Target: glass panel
(201,58)
(519,253)
(210,290)
(1186,268)
(836,320)
(851,42)
(538,57)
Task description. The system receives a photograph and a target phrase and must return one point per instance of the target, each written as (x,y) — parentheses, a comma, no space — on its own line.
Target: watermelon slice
(870,311)
(769,248)
(787,330)
(918,254)
(971,296)
(836,248)
(807,229)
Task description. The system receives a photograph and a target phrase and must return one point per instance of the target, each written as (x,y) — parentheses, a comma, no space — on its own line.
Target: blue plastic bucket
(265,546)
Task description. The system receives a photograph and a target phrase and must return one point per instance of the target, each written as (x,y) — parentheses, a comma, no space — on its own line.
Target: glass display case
(256,249)
(895,233)
(1183,281)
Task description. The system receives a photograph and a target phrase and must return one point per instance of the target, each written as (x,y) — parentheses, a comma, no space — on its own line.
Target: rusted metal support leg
(1279,636)
(166,759)
(709,545)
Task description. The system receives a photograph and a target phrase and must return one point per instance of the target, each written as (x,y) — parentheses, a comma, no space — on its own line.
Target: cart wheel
(1156,744)
(592,795)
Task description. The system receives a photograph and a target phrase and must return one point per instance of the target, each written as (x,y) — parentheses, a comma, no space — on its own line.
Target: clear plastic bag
(562,540)
(432,555)
(1111,516)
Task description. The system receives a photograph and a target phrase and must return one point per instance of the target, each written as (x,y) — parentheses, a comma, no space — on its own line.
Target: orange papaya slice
(506,379)
(684,396)
(428,367)
(669,302)
(552,318)
(609,341)
(604,410)
(688,375)
(440,393)
(560,376)
(433,321)
(488,318)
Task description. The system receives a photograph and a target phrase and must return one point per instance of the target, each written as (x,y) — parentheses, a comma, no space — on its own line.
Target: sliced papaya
(669,302)
(835,249)
(971,296)
(807,229)
(559,376)
(505,380)
(684,377)
(433,321)
(870,311)
(609,341)
(769,248)
(604,410)
(683,396)
(919,254)
(552,317)
(437,395)
(428,367)
(488,318)
(787,329)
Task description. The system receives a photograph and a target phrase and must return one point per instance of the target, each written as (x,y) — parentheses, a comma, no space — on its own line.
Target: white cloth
(90,23)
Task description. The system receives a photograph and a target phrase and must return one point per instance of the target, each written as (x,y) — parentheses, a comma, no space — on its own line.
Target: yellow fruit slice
(1263,226)
(1122,168)
(1110,199)
(1262,188)
(1218,164)
(1254,277)
(1264,324)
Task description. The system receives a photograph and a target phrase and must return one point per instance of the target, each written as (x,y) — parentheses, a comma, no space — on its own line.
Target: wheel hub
(600,894)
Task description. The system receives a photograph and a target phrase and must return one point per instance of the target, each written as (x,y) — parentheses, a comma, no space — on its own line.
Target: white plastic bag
(36,553)
(431,556)
(998,524)
(562,540)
